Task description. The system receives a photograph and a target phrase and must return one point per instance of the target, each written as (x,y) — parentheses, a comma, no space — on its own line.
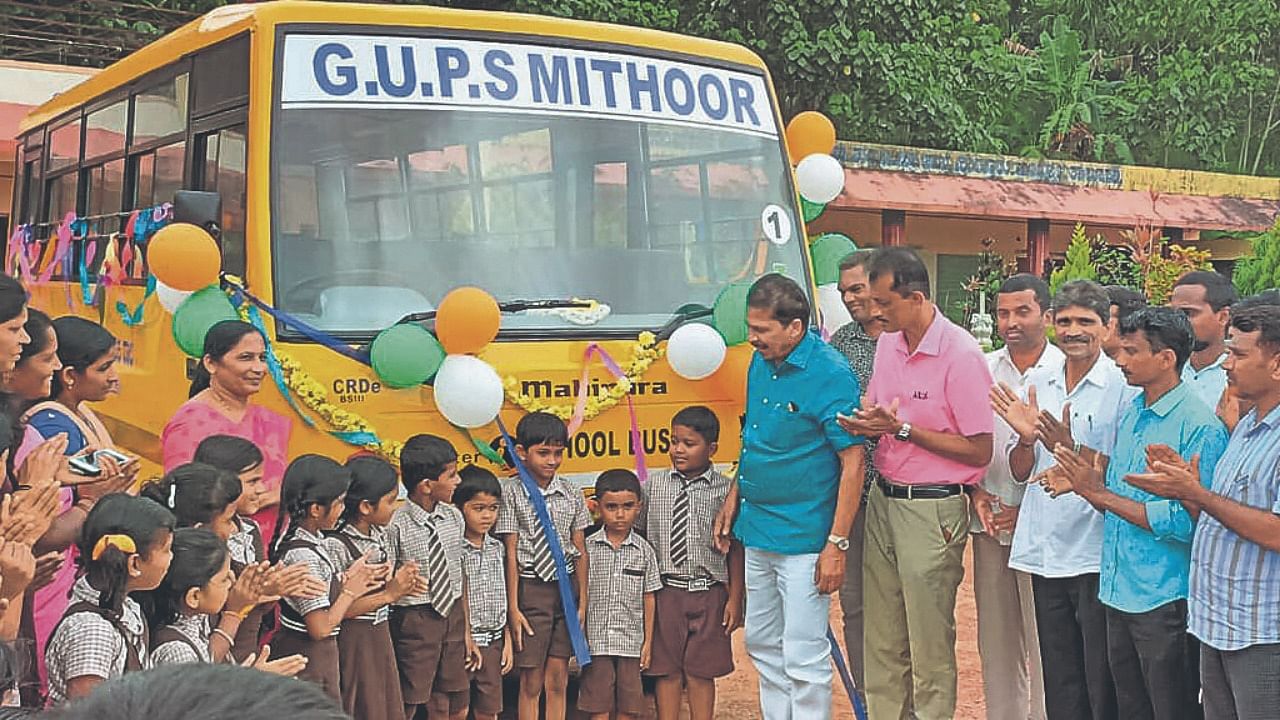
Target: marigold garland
(644,353)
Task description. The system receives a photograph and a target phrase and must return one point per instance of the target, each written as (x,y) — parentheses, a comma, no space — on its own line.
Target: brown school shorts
(688,635)
(486,683)
(430,652)
(611,684)
(540,604)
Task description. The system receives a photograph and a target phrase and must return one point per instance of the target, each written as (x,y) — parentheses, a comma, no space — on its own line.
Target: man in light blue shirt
(1146,543)
(1206,298)
(1234,606)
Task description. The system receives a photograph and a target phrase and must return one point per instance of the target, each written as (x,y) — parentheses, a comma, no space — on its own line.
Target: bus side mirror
(203,209)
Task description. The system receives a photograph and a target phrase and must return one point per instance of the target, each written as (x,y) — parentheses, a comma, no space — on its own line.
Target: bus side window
(222,170)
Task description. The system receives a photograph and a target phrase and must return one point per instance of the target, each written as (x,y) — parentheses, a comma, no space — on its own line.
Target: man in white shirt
(1058,540)
(1007,641)
(1206,298)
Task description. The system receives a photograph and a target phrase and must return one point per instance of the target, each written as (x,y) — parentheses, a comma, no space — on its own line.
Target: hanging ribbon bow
(580,408)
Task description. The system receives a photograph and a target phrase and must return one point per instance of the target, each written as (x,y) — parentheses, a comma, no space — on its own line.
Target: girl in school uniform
(370,686)
(246,544)
(124,547)
(200,586)
(311,501)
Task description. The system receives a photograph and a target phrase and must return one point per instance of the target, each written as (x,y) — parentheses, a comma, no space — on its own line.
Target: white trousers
(786,636)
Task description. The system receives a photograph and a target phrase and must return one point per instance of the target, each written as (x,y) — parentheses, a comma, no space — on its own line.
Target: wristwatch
(841,543)
(904,432)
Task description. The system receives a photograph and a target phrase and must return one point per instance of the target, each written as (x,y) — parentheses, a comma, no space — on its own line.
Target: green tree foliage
(1078,265)
(1262,271)
(1174,83)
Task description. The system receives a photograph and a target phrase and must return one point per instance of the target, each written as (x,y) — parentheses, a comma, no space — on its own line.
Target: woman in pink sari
(230,373)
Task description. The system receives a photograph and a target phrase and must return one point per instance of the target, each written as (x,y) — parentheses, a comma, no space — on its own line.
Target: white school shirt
(1208,382)
(1062,537)
(999,478)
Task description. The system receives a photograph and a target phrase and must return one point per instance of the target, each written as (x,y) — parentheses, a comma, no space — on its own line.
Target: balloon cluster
(185,262)
(468,391)
(820,179)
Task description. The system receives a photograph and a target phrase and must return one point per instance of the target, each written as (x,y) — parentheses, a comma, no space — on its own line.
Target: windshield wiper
(684,314)
(511,306)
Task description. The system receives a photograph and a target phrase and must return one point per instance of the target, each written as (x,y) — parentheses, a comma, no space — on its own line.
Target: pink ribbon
(63,246)
(580,408)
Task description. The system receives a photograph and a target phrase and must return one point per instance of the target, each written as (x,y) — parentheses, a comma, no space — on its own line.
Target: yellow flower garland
(315,397)
(644,353)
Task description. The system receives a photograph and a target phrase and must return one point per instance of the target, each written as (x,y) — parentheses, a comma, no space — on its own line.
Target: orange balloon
(810,133)
(467,320)
(184,257)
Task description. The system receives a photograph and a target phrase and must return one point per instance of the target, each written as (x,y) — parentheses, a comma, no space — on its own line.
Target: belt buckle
(699,584)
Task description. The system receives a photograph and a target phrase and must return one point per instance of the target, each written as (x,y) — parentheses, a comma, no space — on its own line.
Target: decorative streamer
(288,320)
(576,637)
(580,409)
(859,709)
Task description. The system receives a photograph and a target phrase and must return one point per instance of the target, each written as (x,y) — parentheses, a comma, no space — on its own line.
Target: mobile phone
(116,455)
(84,465)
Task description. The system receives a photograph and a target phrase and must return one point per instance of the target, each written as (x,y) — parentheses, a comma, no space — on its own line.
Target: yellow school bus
(370,158)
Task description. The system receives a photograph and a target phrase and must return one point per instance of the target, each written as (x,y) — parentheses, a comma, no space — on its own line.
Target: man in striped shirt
(1234,604)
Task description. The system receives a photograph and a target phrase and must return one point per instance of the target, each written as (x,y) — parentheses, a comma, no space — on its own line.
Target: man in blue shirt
(1234,606)
(799,482)
(1146,539)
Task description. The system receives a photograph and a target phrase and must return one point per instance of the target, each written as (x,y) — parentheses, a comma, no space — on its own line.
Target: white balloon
(695,351)
(820,178)
(169,297)
(468,391)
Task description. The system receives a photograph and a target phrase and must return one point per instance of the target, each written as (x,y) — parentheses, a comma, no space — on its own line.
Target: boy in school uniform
(534,611)
(701,600)
(430,629)
(620,608)
(479,497)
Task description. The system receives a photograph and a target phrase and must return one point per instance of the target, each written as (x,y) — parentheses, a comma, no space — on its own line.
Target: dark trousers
(1155,663)
(1072,626)
(1241,684)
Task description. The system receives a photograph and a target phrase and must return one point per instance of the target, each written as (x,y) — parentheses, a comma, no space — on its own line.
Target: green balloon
(405,355)
(810,210)
(827,250)
(198,313)
(729,314)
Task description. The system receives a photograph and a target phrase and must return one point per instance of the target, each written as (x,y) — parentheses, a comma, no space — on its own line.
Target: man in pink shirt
(927,402)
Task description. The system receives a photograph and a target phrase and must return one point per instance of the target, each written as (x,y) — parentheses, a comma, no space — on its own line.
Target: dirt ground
(737,694)
(738,697)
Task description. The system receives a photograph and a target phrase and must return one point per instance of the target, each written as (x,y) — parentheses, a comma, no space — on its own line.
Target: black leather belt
(920,492)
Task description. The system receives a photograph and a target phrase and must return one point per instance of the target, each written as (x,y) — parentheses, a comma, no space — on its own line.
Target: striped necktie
(680,528)
(544,564)
(441,589)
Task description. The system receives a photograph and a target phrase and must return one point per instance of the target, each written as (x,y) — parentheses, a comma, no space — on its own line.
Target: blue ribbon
(859,710)
(311,333)
(579,641)
(353,437)
(134,317)
(85,293)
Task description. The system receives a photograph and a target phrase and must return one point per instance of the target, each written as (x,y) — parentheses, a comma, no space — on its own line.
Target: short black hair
(1164,328)
(1086,295)
(204,690)
(1266,297)
(1218,290)
(228,452)
(1263,319)
(699,419)
(541,428)
(475,480)
(1126,300)
(904,266)
(782,297)
(425,457)
(1027,281)
(857,258)
(618,480)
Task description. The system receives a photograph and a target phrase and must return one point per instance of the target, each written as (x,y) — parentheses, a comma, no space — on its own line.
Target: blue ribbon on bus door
(579,641)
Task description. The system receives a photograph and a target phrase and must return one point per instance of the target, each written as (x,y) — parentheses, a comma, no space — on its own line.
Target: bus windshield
(379,209)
